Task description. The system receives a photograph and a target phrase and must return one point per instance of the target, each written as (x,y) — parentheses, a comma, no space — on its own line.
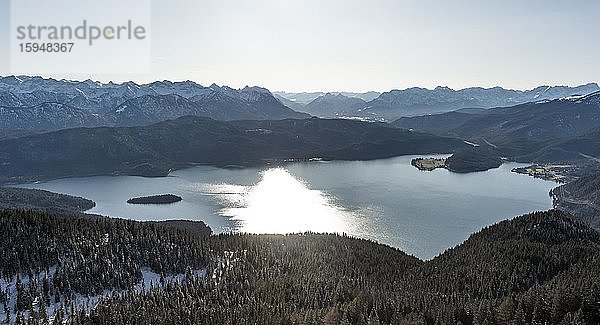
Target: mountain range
(394,104)
(39,104)
(35,103)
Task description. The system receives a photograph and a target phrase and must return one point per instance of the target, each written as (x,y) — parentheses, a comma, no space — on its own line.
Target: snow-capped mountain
(90,103)
(421,101)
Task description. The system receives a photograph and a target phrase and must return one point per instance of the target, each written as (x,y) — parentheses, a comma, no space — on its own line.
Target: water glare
(280,203)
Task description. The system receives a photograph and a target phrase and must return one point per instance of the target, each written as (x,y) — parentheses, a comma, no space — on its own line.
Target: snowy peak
(255,94)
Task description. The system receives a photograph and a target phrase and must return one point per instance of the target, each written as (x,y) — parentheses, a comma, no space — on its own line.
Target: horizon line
(146,82)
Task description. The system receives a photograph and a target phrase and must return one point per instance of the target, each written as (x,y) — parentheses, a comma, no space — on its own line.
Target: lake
(388,200)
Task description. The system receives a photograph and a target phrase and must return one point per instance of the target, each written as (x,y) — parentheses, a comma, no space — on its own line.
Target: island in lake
(155,199)
(429,164)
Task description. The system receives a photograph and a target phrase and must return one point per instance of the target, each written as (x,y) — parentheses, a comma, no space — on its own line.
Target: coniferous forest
(540,268)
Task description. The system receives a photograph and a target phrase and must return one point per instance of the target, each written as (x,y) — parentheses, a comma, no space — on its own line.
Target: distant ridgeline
(389,106)
(540,268)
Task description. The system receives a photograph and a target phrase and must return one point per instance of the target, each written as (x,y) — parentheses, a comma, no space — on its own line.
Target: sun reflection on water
(279,203)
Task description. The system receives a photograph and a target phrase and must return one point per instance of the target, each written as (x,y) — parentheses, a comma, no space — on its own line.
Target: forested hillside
(21,198)
(157,149)
(581,198)
(538,268)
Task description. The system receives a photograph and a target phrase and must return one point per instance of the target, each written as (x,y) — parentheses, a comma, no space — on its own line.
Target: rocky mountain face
(35,103)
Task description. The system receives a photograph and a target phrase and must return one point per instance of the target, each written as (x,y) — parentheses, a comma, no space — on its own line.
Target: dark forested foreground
(538,268)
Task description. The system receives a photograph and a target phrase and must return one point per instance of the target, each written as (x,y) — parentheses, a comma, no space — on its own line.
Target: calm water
(422,213)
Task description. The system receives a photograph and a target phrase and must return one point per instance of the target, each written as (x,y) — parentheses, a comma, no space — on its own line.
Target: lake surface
(388,200)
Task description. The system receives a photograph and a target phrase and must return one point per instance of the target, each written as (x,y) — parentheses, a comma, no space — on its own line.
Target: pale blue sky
(306,45)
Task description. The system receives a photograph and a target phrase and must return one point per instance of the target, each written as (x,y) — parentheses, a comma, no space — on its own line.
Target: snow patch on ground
(121,109)
(8,287)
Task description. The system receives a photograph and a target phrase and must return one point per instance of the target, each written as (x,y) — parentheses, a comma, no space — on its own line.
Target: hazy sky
(304,45)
